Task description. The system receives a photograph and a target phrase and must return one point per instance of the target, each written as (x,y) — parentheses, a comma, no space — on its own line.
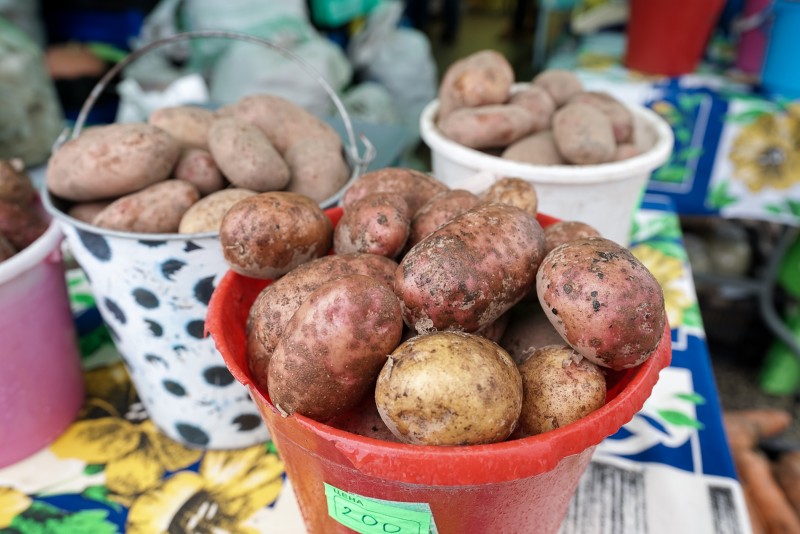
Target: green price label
(375,516)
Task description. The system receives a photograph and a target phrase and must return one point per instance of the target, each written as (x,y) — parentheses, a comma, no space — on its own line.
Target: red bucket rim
(530,456)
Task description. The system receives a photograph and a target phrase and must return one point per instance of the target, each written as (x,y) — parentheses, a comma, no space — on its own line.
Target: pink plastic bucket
(41,384)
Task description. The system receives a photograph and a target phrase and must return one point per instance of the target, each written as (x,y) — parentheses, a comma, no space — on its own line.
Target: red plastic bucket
(668,36)
(517,486)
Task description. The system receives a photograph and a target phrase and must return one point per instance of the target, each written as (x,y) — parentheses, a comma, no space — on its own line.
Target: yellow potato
(207,213)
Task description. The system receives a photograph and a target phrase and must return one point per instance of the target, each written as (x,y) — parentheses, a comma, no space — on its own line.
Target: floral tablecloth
(668,470)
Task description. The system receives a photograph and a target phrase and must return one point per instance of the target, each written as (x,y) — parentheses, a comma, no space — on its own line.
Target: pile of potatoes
(21,218)
(183,169)
(552,121)
(441,317)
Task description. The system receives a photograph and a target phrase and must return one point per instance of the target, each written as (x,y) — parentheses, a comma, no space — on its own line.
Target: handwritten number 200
(370,521)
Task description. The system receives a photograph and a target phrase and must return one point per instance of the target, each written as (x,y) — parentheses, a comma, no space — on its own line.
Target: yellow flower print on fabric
(228,489)
(12,503)
(668,270)
(765,153)
(136,455)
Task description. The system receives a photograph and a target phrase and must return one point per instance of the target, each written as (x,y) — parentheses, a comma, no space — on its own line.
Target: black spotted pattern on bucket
(196,328)
(203,290)
(218,376)
(145,298)
(192,434)
(247,421)
(153,295)
(95,244)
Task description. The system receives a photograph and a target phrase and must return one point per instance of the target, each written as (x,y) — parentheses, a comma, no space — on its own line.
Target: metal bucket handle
(359,162)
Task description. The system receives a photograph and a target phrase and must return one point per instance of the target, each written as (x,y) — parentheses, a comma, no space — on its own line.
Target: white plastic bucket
(41,382)
(605,196)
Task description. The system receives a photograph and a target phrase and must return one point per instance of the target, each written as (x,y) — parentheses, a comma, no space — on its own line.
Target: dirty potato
(480,79)
(603,301)
(268,235)
(513,192)
(565,231)
(333,347)
(15,186)
(376,224)
(197,167)
(559,387)
(440,209)
(470,271)
(451,389)
(528,329)
(20,225)
(415,187)
(157,209)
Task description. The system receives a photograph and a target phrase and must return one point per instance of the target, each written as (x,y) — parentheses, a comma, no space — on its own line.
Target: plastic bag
(249,69)
(398,58)
(30,114)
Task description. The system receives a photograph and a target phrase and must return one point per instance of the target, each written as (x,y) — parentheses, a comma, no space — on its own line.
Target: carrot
(756,523)
(787,473)
(745,428)
(755,473)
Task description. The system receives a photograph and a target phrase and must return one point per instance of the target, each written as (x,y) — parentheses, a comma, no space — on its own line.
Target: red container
(516,486)
(668,37)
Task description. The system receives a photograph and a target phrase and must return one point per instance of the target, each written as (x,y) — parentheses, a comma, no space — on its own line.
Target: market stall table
(668,470)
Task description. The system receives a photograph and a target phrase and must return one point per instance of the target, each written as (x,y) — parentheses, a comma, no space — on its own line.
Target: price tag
(374,516)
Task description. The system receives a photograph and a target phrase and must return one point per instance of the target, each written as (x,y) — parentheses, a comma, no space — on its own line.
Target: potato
(333,347)
(111,161)
(268,235)
(449,388)
(583,135)
(206,214)
(470,271)
(187,124)
(494,331)
(537,149)
(539,102)
(317,168)
(487,126)
(559,387)
(6,248)
(278,302)
(602,301)
(415,187)
(376,224)
(283,122)
(479,79)
(20,225)
(565,231)
(197,167)
(87,211)
(528,329)
(440,209)
(157,209)
(620,116)
(15,186)
(364,420)
(245,156)
(561,85)
(514,192)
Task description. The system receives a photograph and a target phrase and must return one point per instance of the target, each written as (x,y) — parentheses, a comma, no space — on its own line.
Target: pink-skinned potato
(565,231)
(87,211)
(111,161)
(333,348)
(488,126)
(603,301)
(364,420)
(376,224)
(470,271)
(278,302)
(537,149)
(197,167)
(267,235)
(480,79)
(539,102)
(560,84)
(187,124)
(583,134)
(21,225)
(620,116)
(415,187)
(15,186)
(439,210)
(157,209)
(6,248)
